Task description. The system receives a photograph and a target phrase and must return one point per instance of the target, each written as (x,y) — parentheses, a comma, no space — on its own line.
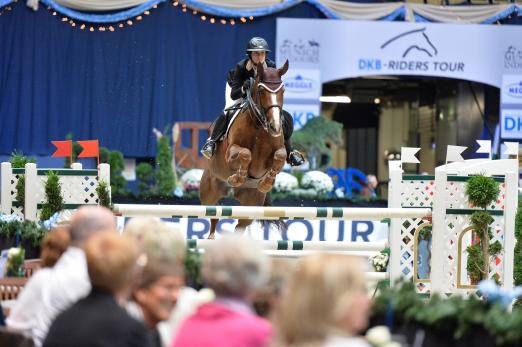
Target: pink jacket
(216,325)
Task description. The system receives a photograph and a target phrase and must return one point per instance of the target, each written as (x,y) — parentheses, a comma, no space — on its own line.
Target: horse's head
(268,92)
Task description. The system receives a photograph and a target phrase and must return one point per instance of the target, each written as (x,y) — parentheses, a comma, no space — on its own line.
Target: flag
(408,155)
(90,149)
(485,146)
(63,148)
(453,153)
(511,148)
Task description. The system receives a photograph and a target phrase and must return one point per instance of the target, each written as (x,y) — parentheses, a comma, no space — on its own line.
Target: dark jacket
(97,321)
(239,75)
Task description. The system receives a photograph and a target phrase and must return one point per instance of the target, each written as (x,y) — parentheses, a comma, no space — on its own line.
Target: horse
(252,152)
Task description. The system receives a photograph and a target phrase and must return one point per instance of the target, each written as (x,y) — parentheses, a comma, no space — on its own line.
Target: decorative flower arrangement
(15,262)
(285,182)
(380,261)
(191,179)
(317,180)
(380,336)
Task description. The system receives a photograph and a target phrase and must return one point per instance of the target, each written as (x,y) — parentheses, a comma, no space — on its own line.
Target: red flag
(63,148)
(90,149)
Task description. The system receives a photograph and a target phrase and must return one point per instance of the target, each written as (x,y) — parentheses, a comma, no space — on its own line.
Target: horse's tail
(279,224)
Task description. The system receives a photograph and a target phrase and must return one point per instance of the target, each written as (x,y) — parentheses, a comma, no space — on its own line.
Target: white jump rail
(259,212)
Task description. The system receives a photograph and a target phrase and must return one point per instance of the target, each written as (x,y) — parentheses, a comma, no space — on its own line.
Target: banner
(298,230)
(348,49)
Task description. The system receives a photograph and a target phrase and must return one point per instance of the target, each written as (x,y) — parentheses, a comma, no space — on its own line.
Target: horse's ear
(283,69)
(260,72)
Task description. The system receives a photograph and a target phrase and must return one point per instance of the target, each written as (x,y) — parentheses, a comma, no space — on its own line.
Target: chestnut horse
(253,151)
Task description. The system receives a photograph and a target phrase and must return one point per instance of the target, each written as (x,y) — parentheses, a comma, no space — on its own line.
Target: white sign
(298,230)
(302,113)
(344,49)
(511,124)
(302,84)
(511,89)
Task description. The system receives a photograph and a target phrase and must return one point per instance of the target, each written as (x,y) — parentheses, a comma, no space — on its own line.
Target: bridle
(259,113)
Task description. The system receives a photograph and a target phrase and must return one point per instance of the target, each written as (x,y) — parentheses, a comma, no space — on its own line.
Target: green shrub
(53,193)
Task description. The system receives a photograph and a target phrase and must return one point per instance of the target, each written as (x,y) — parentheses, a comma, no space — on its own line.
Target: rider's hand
(246,86)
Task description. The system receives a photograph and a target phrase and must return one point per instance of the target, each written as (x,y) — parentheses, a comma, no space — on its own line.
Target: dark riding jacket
(239,75)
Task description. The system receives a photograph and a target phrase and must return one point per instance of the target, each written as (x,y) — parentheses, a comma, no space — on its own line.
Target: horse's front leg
(268,181)
(238,159)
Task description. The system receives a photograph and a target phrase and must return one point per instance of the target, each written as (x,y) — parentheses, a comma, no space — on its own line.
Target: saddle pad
(232,119)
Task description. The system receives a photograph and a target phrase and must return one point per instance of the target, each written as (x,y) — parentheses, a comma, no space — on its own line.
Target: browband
(270,89)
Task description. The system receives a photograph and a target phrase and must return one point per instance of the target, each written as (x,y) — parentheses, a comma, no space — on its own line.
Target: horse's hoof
(236,181)
(265,187)
(211,236)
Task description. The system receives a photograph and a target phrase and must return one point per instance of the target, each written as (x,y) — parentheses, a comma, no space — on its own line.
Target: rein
(259,113)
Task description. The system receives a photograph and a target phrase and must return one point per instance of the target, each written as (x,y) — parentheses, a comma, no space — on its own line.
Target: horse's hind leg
(238,158)
(210,191)
(278,162)
(248,197)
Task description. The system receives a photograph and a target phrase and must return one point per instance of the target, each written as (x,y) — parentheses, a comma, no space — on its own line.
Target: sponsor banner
(511,124)
(511,89)
(301,113)
(344,49)
(298,230)
(302,84)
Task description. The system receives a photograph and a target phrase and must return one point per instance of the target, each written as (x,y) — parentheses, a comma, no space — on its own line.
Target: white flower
(191,179)
(13,252)
(319,181)
(391,344)
(285,182)
(379,336)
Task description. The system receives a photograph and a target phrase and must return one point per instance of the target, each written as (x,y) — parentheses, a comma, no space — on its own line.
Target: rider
(239,81)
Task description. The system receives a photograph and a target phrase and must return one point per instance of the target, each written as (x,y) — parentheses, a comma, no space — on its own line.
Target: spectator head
(54,244)
(111,262)
(163,276)
(89,220)
(139,226)
(325,296)
(159,289)
(372,181)
(235,266)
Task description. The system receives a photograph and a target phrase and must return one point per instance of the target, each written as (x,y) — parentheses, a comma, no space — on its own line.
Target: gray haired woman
(234,267)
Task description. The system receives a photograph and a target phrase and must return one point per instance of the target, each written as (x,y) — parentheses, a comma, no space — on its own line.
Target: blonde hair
(157,239)
(235,265)
(320,292)
(111,261)
(54,244)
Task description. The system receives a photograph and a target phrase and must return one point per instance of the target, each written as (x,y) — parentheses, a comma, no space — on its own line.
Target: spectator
(234,267)
(22,315)
(57,288)
(54,244)
(98,320)
(163,277)
(325,304)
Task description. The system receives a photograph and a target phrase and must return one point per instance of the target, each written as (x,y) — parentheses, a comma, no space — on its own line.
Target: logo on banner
(417,53)
(300,51)
(300,84)
(513,58)
(511,124)
(413,41)
(514,90)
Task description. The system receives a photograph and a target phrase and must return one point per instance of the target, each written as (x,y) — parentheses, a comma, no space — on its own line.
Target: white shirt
(54,291)
(346,341)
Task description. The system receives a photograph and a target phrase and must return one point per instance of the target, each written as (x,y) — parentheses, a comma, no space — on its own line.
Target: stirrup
(208,149)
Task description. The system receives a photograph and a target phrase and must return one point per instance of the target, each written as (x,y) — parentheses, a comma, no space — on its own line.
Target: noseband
(259,113)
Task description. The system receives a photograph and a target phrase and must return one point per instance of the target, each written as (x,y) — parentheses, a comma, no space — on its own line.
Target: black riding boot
(293,157)
(220,127)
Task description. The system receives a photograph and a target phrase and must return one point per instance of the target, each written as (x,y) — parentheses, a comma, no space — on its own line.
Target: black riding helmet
(257,44)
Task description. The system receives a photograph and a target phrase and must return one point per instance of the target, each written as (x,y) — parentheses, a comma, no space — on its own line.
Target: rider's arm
(236,84)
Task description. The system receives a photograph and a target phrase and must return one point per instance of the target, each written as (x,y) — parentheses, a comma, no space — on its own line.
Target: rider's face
(258,57)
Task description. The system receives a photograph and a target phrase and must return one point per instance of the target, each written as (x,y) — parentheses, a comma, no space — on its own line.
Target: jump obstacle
(415,202)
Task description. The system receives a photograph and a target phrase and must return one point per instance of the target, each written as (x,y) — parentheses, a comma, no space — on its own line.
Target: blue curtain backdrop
(115,86)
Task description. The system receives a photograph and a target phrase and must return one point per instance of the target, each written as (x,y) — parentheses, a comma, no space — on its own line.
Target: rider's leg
(294,158)
(220,127)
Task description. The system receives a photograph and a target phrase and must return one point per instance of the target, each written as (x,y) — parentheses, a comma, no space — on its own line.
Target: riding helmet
(257,44)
